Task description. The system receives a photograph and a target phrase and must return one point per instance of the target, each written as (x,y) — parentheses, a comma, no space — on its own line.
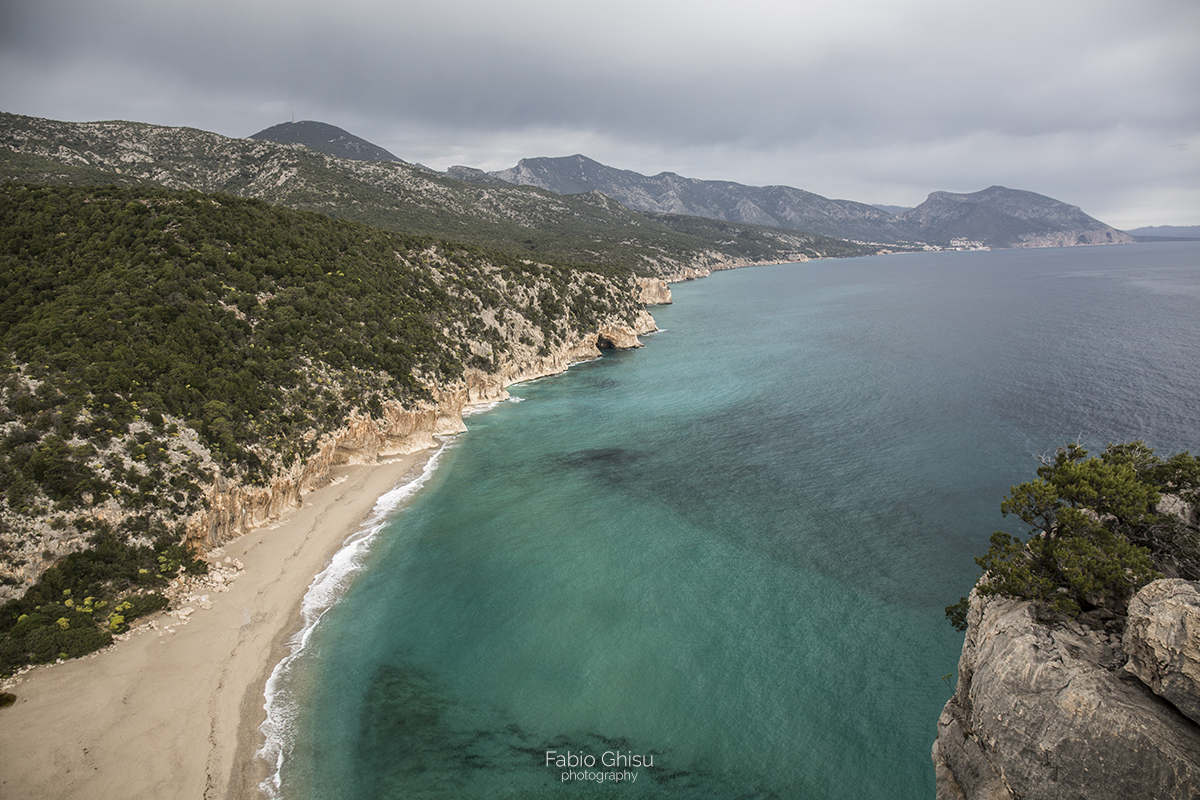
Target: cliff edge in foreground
(1053,708)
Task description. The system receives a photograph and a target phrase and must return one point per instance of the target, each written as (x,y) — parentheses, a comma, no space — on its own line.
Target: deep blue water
(729,552)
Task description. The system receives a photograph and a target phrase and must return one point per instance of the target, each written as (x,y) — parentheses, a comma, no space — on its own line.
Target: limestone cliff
(1051,708)
(233,509)
(653,291)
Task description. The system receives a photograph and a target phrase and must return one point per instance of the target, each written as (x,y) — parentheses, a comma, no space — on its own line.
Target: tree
(1095,535)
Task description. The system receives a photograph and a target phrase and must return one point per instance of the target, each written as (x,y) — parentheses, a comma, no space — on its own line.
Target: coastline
(177,707)
(175,710)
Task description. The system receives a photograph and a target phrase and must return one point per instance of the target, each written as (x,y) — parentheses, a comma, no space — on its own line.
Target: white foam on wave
(479,408)
(329,585)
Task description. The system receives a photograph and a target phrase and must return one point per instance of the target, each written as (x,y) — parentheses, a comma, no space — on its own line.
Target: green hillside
(150,339)
(586,229)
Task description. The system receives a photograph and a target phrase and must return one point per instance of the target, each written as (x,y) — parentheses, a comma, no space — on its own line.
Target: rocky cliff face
(1049,708)
(234,509)
(653,291)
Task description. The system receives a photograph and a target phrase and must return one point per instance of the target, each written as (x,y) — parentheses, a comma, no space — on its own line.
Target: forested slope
(152,340)
(587,229)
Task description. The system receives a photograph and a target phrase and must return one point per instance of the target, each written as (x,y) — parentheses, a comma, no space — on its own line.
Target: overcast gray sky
(1093,102)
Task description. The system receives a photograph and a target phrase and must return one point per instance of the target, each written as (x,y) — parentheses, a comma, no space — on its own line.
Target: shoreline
(175,710)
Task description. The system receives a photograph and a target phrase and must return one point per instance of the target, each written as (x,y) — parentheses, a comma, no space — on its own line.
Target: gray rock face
(1045,710)
(1162,638)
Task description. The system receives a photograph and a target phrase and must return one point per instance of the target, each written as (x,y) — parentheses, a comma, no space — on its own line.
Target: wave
(479,408)
(330,584)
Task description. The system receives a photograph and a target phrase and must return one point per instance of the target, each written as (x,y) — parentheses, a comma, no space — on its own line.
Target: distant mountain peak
(1001,217)
(325,138)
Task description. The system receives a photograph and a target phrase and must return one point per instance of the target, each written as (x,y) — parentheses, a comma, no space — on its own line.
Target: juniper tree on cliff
(1095,530)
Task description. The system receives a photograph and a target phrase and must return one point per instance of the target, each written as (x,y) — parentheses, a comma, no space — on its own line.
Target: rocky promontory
(1096,708)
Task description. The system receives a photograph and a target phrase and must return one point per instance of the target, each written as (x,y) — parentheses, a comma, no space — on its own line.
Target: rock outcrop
(1162,638)
(1044,708)
(652,291)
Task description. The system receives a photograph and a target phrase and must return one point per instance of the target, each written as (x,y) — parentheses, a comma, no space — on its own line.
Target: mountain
(995,217)
(325,138)
(567,210)
(668,193)
(1158,233)
(1001,217)
(589,229)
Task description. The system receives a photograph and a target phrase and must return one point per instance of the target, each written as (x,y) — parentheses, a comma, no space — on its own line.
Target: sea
(717,566)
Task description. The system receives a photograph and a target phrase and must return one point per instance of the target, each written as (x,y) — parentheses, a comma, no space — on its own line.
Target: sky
(1092,102)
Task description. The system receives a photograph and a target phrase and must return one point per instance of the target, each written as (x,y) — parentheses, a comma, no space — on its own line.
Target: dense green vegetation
(1095,532)
(756,242)
(588,229)
(150,339)
(80,602)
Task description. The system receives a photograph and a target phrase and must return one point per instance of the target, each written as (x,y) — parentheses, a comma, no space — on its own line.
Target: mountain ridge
(569,218)
(1165,232)
(406,198)
(994,217)
(670,193)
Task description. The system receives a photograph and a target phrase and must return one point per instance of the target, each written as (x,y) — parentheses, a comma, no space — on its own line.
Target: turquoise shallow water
(728,552)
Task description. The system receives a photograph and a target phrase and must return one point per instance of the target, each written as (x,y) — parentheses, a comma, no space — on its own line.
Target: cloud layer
(1093,102)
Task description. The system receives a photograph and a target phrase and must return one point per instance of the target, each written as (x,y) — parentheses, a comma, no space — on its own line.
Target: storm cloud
(1093,102)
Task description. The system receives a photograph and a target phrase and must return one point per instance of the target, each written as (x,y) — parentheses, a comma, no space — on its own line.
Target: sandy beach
(174,711)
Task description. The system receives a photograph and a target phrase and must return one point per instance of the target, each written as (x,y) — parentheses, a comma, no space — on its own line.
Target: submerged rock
(1045,709)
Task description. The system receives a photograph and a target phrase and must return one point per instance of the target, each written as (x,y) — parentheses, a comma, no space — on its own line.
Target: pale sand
(176,715)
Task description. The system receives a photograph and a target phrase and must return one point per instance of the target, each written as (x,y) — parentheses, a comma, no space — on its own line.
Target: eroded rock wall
(234,509)
(1046,709)
(1162,638)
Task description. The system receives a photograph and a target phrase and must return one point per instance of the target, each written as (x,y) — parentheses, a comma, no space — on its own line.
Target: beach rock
(1043,709)
(1162,637)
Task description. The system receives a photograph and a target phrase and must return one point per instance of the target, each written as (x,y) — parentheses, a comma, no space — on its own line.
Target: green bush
(1095,535)
(53,631)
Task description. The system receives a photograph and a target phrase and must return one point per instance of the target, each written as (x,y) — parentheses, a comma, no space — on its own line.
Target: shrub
(1095,535)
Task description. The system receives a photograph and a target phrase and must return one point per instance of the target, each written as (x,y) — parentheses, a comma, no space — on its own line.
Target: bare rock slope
(1055,709)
